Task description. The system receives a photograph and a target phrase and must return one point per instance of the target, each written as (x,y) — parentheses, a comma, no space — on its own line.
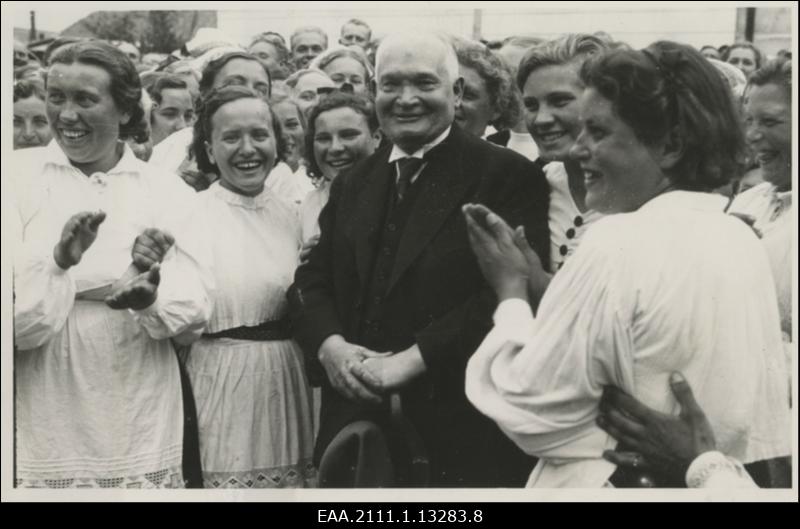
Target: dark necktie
(407,167)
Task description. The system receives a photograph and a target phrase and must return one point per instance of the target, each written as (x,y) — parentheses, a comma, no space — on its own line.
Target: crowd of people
(414,261)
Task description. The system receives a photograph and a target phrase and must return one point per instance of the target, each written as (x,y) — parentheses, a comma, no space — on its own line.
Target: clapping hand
(506,259)
(150,247)
(138,293)
(79,232)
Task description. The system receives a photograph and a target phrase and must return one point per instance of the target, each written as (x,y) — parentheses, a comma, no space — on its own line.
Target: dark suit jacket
(437,297)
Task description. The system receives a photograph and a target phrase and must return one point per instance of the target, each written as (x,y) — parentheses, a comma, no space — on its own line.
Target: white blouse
(98,391)
(311,208)
(290,186)
(676,285)
(566,222)
(256,242)
(772,211)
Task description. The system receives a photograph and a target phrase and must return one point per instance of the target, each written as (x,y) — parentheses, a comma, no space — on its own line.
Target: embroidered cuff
(715,469)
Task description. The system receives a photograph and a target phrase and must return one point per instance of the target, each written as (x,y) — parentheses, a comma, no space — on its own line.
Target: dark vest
(373,331)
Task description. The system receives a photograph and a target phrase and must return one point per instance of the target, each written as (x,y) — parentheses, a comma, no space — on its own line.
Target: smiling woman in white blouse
(98,393)
(665,282)
(254,403)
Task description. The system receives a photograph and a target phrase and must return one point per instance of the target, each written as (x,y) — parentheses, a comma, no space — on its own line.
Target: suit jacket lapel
(369,211)
(443,184)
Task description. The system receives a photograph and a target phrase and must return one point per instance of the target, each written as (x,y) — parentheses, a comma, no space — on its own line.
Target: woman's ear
(458,90)
(210,152)
(672,150)
(376,138)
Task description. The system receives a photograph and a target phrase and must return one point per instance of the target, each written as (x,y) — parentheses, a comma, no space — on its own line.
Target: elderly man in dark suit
(391,300)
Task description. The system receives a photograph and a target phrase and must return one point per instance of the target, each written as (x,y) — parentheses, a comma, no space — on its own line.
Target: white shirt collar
(398,153)
(128,163)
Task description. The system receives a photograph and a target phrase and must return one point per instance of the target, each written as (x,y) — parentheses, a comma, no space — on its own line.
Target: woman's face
(620,172)
(30,123)
(175,112)
(342,138)
(243,72)
(768,128)
(266,54)
(476,109)
(305,91)
(744,59)
(293,133)
(347,70)
(550,101)
(83,116)
(243,145)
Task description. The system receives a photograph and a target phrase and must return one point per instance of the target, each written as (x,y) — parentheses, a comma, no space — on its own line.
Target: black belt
(263,332)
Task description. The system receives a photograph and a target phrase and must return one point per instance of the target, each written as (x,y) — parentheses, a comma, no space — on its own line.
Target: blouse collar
(128,163)
(678,199)
(235,199)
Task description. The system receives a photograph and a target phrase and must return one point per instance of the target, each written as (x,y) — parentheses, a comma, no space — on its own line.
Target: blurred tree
(151,31)
(161,34)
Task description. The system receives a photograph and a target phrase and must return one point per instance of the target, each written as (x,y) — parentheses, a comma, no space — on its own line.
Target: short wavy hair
(270,37)
(499,84)
(322,60)
(125,88)
(213,68)
(777,72)
(203,128)
(165,81)
(25,88)
(563,50)
(360,104)
(307,29)
(671,88)
(293,79)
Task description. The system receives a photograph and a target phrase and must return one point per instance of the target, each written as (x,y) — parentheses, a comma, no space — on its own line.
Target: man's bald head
(434,46)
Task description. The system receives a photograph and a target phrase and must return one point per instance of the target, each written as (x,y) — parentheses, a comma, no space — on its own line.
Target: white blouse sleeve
(541,378)
(184,303)
(44,294)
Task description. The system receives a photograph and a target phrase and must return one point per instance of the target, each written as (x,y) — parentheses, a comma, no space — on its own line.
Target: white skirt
(254,410)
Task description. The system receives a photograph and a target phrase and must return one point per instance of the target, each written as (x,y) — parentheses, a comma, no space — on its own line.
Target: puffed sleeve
(540,379)
(184,303)
(44,294)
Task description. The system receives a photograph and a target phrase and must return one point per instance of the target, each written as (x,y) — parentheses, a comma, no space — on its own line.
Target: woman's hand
(79,232)
(150,247)
(307,247)
(667,443)
(138,293)
(497,249)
